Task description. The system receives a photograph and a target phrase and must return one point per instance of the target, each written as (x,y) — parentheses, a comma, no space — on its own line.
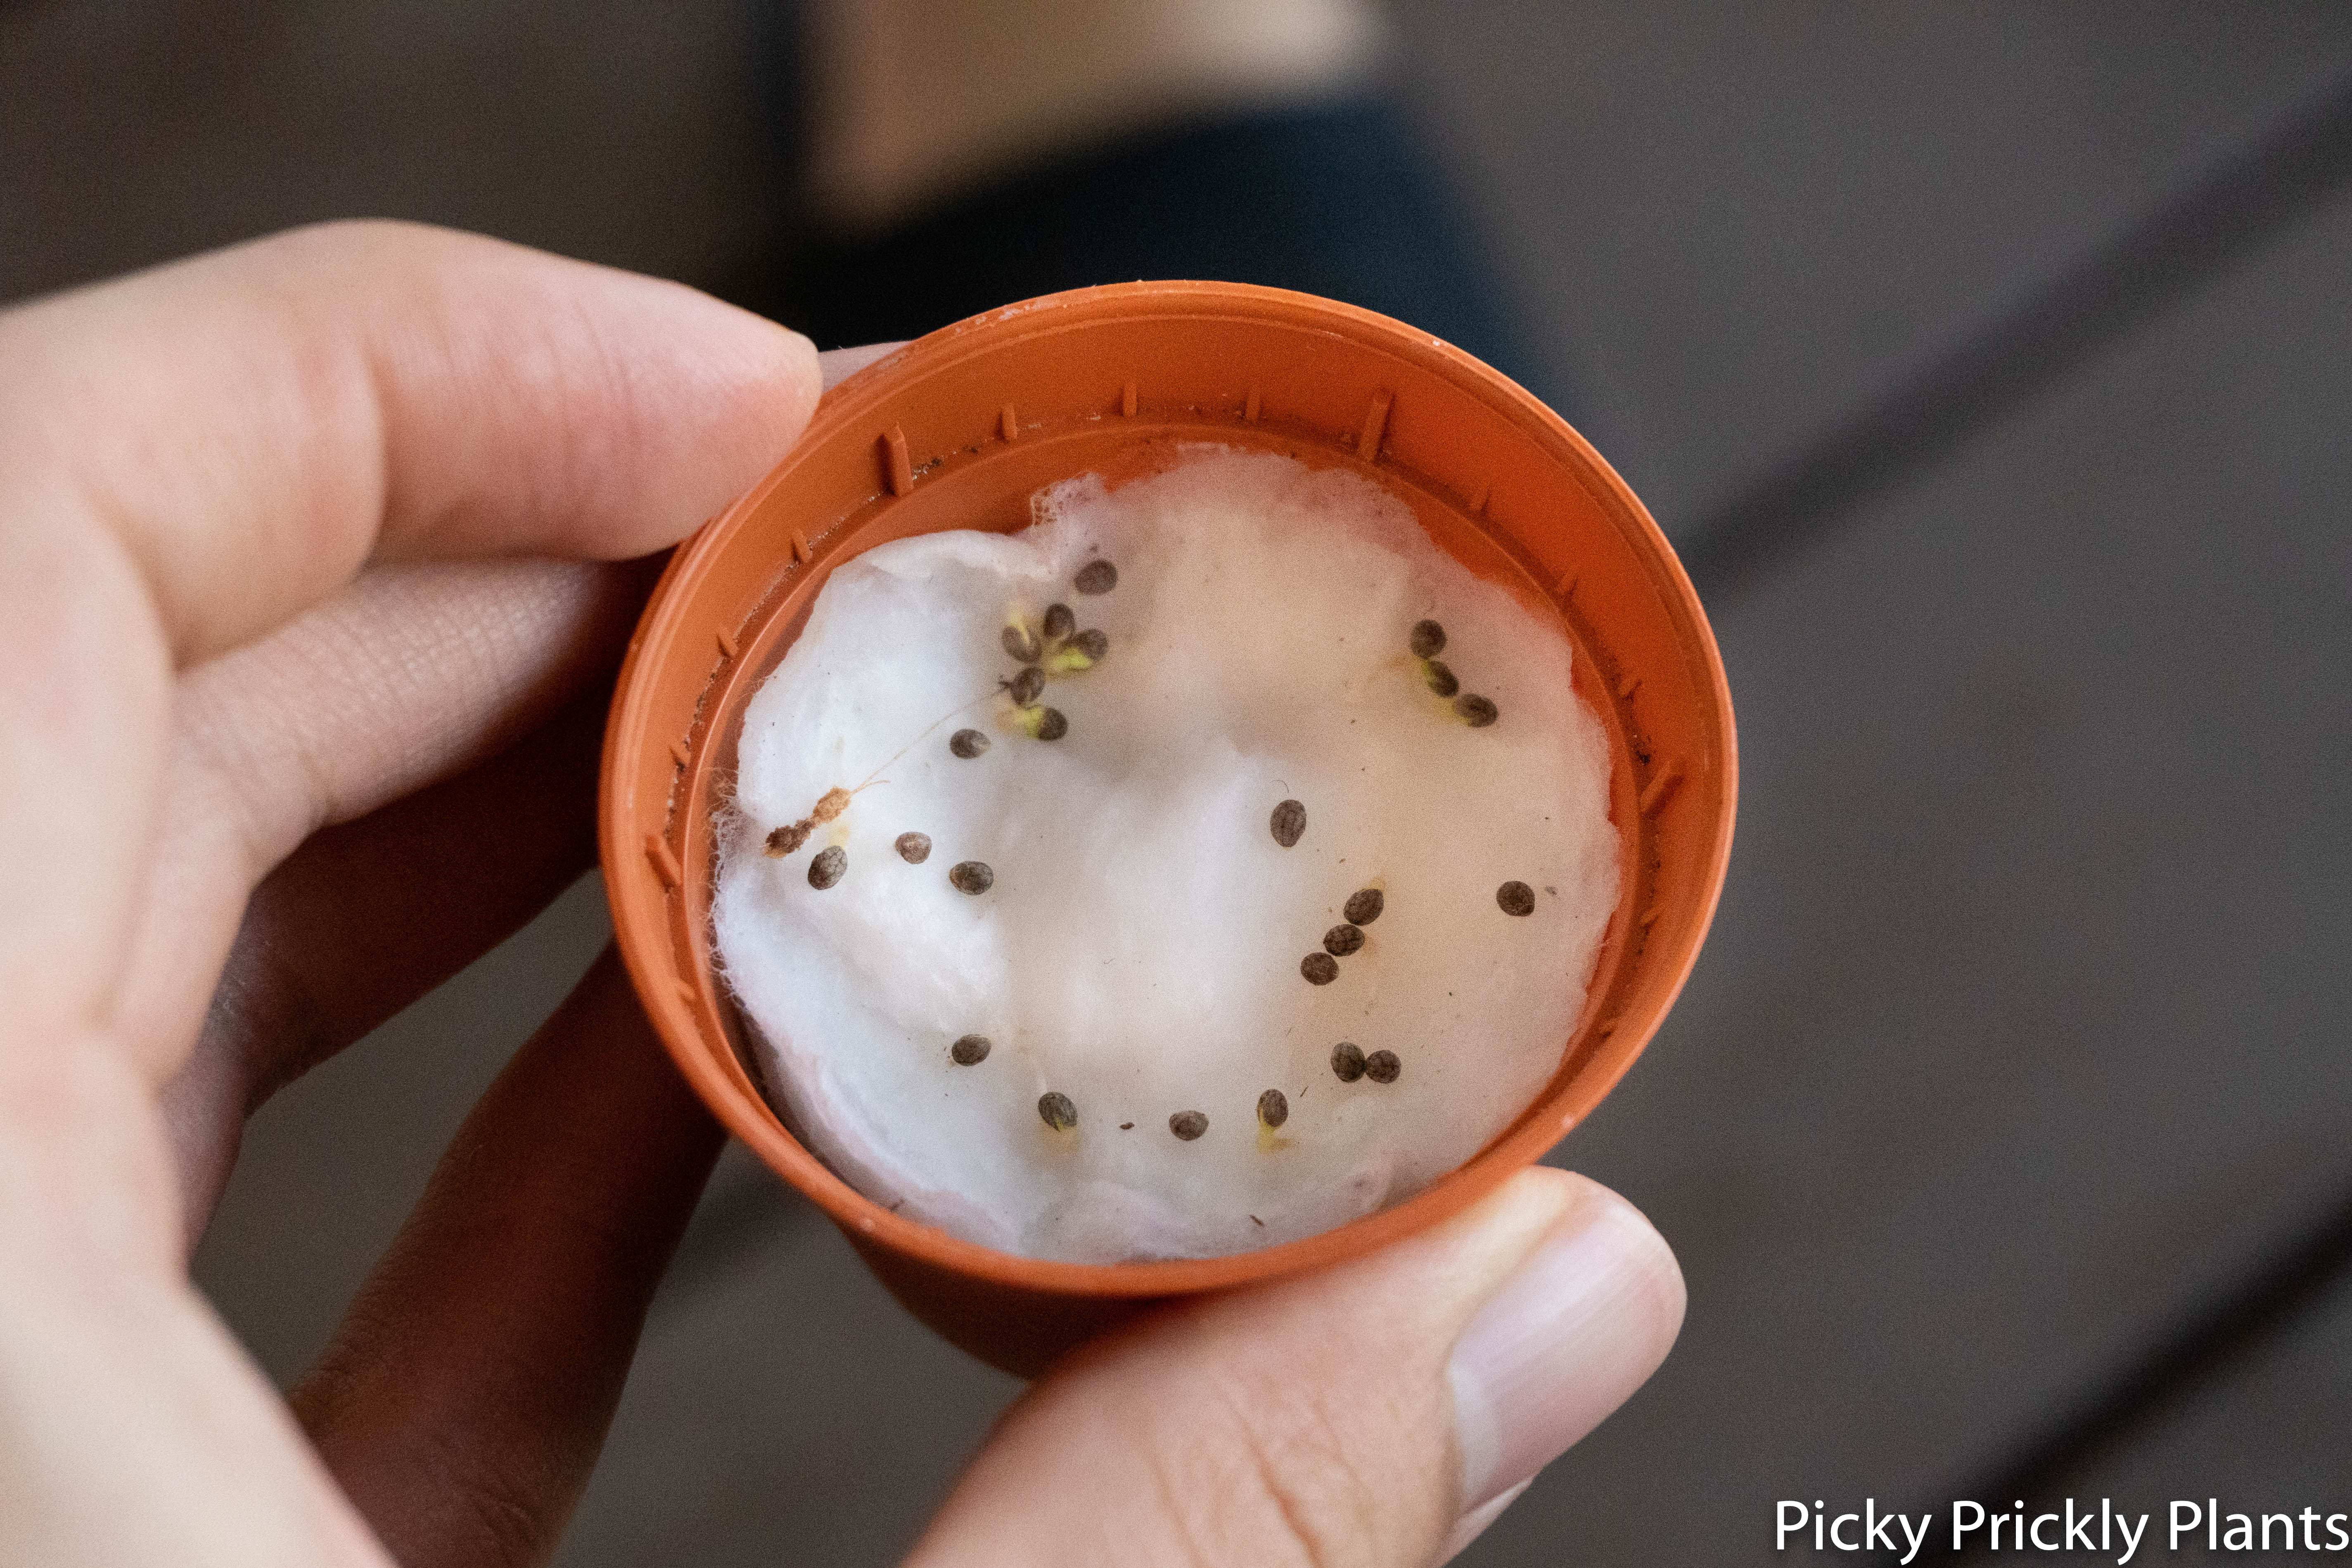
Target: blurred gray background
(1992,364)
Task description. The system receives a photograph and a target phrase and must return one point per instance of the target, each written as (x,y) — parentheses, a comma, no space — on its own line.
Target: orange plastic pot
(958,430)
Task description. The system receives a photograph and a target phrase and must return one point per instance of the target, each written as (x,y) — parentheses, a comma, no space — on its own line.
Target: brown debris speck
(829,867)
(1288,823)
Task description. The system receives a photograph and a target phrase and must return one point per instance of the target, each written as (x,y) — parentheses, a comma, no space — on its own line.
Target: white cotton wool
(1139,950)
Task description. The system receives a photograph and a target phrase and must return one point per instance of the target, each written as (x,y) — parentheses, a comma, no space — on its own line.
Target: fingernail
(1473,1525)
(1580,1327)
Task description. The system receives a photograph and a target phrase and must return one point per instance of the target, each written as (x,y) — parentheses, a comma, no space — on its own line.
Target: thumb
(1379,1412)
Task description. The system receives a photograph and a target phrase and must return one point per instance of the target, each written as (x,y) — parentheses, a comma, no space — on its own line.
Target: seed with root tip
(829,867)
(1060,622)
(1427,639)
(1028,686)
(1439,678)
(1515,898)
(1096,577)
(1347,1062)
(1044,723)
(832,803)
(1476,710)
(1187,1124)
(1289,823)
(1382,1067)
(970,1051)
(914,848)
(1059,1113)
(1021,644)
(1341,940)
(1273,1108)
(1092,643)
(974,876)
(967,744)
(1364,906)
(1320,968)
(786,839)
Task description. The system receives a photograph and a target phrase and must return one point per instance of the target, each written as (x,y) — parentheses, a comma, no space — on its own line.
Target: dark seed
(1273,1108)
(1187,1124)
(1347,1062)
(1096,577)
(829,867)
(1027,686)
(914,848)
(1515,898)
(1320,968)
(967,744)
(1382,1067)
(1427,640)
(971,877)
(1059,1113)
(1476,710)
(1091,643)
(1364,906)
(1439,679)
(1289,822)
(1341,940)
(970,1051)
(1020,645)
(1060,622)
(1052,725)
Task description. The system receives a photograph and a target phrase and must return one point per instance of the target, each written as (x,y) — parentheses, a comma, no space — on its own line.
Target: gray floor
(2018,1040)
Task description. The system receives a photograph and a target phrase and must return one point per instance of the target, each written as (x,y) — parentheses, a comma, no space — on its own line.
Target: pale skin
(306,625)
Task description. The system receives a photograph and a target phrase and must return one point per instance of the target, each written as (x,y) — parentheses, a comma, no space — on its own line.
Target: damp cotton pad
(1214,862)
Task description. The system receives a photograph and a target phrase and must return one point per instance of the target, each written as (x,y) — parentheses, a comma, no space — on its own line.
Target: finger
(463,1401)
(1360,1416)
(838,365)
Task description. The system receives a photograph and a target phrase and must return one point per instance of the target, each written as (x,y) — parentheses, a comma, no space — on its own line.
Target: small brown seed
(1515,898)
(1364,906)
(1341,940)
(1320,968)
(829,867)
(1060,622)
(967,744)
(1439,678)
(1273,1108)
(1382,1067)
(970,1051)
(1059,1113)
(1427,639)
(1347,1062)
(1096,577)
(1052,725)
(786,839)
(1476,710)
(1028,686)
(1020,645)
(914,848)
(1092,643)
(1289,822)
(1187,1124)
(974,876)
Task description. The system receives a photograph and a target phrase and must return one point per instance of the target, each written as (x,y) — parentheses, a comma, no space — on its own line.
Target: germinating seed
(1060,622)
(970,1051)
(914,848)
(1091,643)
(1439,677)
(1347,1062)
(1052,725)
(1515,898)
(1028,686)
(1382,1067)
(1320,968)
(974,876)
(1341,940)
(1060,1114)
(1427,639)
(830,804)
(967,744)
(790,836)
(1476,710)
(1364,906)
(1187,1124)
(1273,1108)
(1096,577)
(829,867)
(1289,822)
(1020,645)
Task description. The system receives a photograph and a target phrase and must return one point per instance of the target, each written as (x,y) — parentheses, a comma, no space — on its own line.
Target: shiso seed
(829,867)
(1187,1124)
(1096,577)
(972,876)
(1382,1067)
(1052,725)
(1028,686)
(967,744)
(1428,639)
(1021,644)
(1058,1112)
(1060,622)
(1364,906)
(1273,1108)
(1439,679)
(970,1051)
(1341,940)
(1320,968)
(1289,822)
(1515,898)
(1476,710)
(1091,643)
(1347,1062)
(914,848)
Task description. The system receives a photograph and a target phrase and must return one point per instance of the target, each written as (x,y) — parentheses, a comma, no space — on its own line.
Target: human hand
(304,643)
